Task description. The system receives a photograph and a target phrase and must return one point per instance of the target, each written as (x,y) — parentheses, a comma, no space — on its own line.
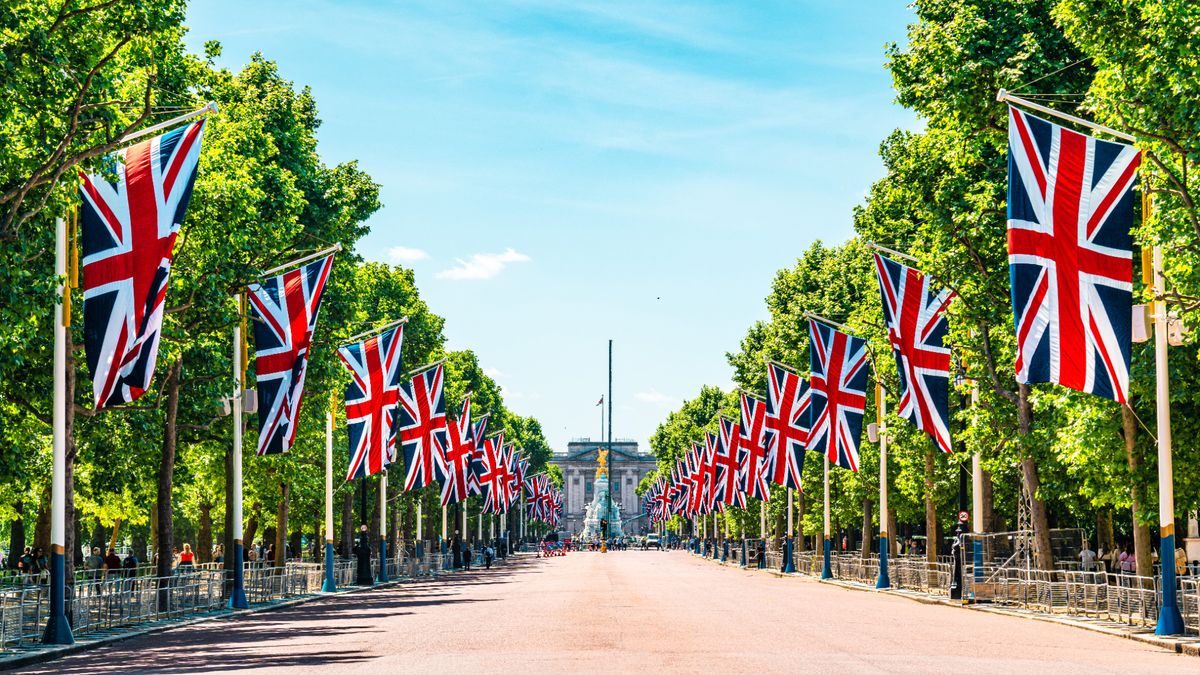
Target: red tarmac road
(633,611)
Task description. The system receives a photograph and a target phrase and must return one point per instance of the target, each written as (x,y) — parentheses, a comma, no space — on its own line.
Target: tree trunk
(931,524)
(1104,530)
(1038,515)
(16,535)
(153,533)
(166,472)
(989,505)
(893,533)
(41,525)
(868,531)
(251,530)
(1141,531)
(204,535)
(281,525)
(69,545)
(99,535)
(112,540)
(347,523)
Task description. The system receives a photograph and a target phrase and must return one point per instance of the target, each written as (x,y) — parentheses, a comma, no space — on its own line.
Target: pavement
(631,611)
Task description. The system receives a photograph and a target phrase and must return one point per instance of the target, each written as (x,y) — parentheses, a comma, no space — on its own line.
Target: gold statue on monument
(602,461)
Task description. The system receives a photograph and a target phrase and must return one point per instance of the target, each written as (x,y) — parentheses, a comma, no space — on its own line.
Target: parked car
(653,541)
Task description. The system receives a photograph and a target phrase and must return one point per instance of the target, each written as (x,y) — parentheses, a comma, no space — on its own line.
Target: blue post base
(789,564)
(696,547)
(330,584)
(725,552)
(883,581)
(1170,622)
(716,550)
(383,575)
(744,551)
(420,549)
(237,597)
(446,555)
(826,567)
(58,630)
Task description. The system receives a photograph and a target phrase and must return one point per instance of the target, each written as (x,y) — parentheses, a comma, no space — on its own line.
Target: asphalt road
(633,611)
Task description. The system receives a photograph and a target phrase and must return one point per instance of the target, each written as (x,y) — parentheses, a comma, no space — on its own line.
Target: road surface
(633,611)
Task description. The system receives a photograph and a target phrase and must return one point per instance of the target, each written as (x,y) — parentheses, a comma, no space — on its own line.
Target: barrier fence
(129,597)
(1068,590)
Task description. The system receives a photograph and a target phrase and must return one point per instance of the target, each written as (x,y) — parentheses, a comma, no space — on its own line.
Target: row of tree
(75,78)
(1079,460)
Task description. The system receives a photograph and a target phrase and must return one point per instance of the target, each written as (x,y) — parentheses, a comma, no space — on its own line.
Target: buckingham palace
(627,466)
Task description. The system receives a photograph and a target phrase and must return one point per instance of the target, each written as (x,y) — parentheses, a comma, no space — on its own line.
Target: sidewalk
(1189,645)
(36,654)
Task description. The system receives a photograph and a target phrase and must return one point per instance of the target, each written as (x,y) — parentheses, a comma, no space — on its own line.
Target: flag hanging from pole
(915,314)
(839,398)
(460,450)
(1070,255)
(285,310)
(128,230)
(752,451)
(372,401)
(423,428)
(785,425)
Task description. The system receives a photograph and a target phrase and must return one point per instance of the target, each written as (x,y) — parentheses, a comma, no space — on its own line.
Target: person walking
(186,560)
(488,554)
(1128,560)
(466,555)
(130,565)
(1087,557)
(25,564)
(112,564)
(94,564)
(41,568)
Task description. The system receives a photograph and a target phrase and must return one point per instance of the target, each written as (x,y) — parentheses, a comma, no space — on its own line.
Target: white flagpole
(237,597)
(826,569)
(762,519)
(383,555)
(58,630)
(884,581)
(330,583)
(1170,622)
(210,107)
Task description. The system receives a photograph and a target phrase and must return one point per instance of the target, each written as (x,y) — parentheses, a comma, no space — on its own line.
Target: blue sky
(559,174)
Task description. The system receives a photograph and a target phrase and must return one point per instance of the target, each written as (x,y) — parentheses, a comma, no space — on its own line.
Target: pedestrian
(41,568)
(1180,561)
(1087,557)
(94,564)
(186,559)
(219,554)
(112,564)
(1128,560)
(25,564)
(466,555)
(130,565)
(488,554)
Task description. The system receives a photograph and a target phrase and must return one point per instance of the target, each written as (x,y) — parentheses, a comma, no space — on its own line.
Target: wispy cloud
(406,254)
(653,396)
(482,265)
(494,373)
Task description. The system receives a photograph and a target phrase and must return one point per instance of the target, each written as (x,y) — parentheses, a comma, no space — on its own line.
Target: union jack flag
(372,401)
(129,229)
(752,450)
(680,482)
(695,475)
(478,434)
(708,473)
(1070,255)
(460,452)
(285,311)
(496,475)
(728,481)
(785,425)
(839,397)
(423,428)
(916,319)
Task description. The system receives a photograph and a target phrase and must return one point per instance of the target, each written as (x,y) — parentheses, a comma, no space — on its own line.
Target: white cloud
(494,373)
(406,254)
(653,396)
(482,265)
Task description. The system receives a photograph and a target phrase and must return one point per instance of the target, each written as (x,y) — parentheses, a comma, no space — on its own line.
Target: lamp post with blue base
(383,573)
(329,585)
(237,594)
(1170,621)
(789,564)
(883,581)
(58,630)
(826,568)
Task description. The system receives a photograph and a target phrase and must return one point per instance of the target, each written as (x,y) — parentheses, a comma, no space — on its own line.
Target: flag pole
(372,331)
(826,568)
(58,630)
(330,583)
(383,575)
(211,107)
(839,326)
(892,252)
(419,545)
(237,595)
(1005,97)
(300,261)
(1170,622)
(884,581)
(789,566)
